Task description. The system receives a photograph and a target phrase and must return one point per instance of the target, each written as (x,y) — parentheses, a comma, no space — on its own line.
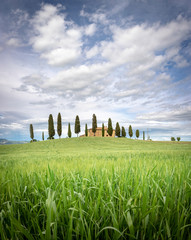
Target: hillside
(40,154)
(95,145)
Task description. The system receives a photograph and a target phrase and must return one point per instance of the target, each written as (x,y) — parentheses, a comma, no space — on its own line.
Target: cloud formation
(115,67)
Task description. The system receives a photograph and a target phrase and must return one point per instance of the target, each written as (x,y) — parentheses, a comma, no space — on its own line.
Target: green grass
(95,188)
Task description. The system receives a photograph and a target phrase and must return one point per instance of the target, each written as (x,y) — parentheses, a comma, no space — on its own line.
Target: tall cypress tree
(143,135)
(59,125)
(117,130)
(110,128)
(94,124)
(31,132)
(77,125)
(123,132)
(130,131)
(51,130)
(103,130)
(42,136)
(86,130)
(69,131)
(137,133)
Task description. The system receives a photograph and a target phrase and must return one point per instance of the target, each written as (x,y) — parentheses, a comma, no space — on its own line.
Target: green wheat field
(95,188)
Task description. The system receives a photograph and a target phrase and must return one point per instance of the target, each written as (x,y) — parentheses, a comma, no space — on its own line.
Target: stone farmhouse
(98,132)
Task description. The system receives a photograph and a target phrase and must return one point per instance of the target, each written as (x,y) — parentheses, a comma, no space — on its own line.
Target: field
(95,188)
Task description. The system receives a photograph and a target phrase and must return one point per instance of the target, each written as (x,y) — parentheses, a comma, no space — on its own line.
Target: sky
(127,60)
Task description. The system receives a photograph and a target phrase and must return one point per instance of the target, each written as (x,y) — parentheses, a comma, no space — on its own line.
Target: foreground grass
(95,189)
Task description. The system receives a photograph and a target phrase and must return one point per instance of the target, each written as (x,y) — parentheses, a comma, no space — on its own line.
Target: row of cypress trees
(51,131)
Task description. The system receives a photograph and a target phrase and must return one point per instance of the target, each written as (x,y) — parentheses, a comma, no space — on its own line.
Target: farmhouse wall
(98,132)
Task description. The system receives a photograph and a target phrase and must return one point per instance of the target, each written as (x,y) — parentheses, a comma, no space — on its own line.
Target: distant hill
(6,142)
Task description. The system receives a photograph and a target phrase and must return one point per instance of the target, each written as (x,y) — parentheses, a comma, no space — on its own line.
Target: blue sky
(125,60)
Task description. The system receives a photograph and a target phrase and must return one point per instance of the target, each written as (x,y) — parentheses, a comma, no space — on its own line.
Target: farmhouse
(98,132)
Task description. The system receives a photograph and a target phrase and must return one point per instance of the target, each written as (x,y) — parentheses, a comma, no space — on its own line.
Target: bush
(173,139)
(49,138)
(178,139)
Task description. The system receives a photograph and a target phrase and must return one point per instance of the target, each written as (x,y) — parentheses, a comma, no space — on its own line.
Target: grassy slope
(40,154)
(107,188)
(93,145)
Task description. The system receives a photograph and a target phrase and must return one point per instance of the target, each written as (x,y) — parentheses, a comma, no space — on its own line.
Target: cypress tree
(51,130)
(123,132)
(94,124)
(117,130)
(42,136)
(59,125)
(86,130)
(77,125)
(103,130)
(31,132)
(110,128)
(130,131)
(143,135)
(69,131)
(137,133)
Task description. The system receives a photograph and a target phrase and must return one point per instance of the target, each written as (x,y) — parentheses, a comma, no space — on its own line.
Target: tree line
(173,139)
(119,132)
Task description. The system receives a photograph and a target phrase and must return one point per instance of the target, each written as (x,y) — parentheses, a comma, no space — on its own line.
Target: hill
(94,145)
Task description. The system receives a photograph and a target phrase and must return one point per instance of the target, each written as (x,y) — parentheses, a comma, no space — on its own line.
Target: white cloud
(76,78)
(138,54)
(99,17)
(57,41)
(13,42)
(180,113)
(141,44)
(92,52)
(90,29)
(11,126)
(61,56)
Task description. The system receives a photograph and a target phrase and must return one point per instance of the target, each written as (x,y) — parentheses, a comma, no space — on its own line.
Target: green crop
(95,188)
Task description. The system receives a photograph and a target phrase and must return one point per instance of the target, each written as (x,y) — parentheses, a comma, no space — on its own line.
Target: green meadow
(95,188)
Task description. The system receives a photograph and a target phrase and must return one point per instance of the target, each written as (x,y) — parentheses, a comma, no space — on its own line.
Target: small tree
(178,139)
(103,130)
(173,139)
(69,131)
(31,132)
(86,130)
(137,133)
(77,125)
(143,135)
(110,128)
(117,130)
(51,130)
(59,125)
(94,124)
(130,131)
(123,132)
(42,136)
